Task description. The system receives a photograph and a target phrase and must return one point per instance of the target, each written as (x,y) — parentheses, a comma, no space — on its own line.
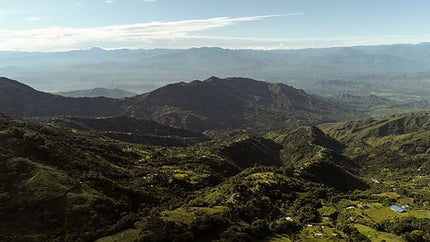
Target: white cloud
(177,34)
(109,1)
(138,35)
(33,19)
(149,0)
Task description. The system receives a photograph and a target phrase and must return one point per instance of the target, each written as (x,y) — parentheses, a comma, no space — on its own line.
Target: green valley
(251,175)
(300,184)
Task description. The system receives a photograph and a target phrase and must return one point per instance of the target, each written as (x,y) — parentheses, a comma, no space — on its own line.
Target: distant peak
(97,49)
(9,82)
(213,78)
(207,48)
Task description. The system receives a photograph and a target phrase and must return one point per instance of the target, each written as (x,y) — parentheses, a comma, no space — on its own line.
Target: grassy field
(420,213)
(391,195)
(379,213)
(128,235)
(377,236)
(321,233)
(277,238)
(188,215)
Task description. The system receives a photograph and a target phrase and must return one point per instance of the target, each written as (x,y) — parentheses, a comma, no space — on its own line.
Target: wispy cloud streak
(177,34)
(138,35)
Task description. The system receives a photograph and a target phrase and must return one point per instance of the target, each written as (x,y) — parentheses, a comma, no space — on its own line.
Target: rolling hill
(58,184)
(130,130)
(384,145)
(299,184)
(82,186)
(318,157)
(98,92)
(21,100)
(199,105)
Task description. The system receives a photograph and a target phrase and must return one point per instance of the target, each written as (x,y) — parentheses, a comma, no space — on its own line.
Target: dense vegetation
(130,130)
(199,105)
(62,184)
(127,179)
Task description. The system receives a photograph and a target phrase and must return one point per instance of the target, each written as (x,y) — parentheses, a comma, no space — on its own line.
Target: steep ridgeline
(21,100)
(246,152)
(318,157)
(131,130)
(199,105)
(233,103)
(307,151)
(387,145)
(362,130)
(98,92)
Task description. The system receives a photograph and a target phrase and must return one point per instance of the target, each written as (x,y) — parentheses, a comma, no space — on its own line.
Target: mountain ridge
(130,130)
(23,101)
(98,92)
(144,70)
(199,105)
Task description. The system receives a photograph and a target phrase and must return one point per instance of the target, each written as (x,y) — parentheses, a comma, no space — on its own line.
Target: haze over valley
(344,70)
(160,120)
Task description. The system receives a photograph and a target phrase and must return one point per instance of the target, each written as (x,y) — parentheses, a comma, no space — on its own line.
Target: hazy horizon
(219,47)
(48,25)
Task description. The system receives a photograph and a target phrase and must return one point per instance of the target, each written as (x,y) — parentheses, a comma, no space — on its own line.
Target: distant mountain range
(382,67)
(199,105)
(98,92)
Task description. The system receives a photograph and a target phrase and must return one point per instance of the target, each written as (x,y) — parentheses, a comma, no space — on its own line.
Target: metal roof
(397,208)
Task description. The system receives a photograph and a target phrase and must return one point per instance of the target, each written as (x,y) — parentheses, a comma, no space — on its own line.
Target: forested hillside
(199,105)
(296,184)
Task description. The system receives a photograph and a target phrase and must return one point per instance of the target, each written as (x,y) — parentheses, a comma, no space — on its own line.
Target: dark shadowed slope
(233,103)
(98,92)
(199,105)
(21,100)
(318,157)
(131,130)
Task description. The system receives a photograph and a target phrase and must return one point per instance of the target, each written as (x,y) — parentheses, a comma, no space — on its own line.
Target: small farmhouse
(397,209)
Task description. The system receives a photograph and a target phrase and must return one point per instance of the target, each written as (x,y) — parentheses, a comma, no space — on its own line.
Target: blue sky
(57,25)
